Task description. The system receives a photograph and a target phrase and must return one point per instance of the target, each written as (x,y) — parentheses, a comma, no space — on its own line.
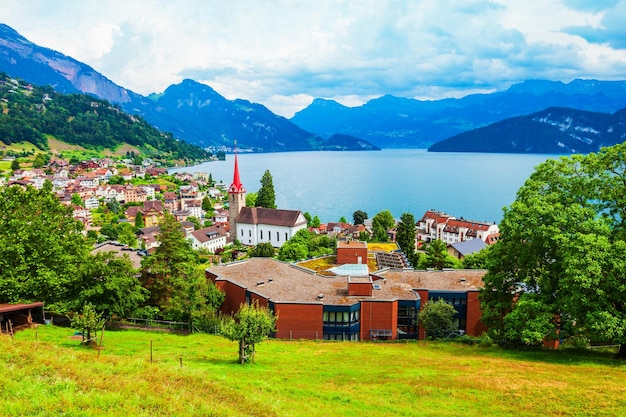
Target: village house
(208,238)
(436,225)
(351,305)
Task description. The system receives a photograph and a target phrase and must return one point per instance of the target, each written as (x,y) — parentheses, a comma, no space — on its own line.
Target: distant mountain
(555,130)
(191,111)
(392,122)
(32,114)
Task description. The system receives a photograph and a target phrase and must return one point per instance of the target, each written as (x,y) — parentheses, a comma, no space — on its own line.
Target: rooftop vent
(320,296)
(462,279)
(376,286)
(260,282)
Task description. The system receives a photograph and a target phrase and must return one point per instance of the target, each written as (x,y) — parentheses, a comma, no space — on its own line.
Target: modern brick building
(351,305)
(351,252)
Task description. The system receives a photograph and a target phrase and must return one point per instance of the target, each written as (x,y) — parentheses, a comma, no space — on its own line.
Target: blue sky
(285,53)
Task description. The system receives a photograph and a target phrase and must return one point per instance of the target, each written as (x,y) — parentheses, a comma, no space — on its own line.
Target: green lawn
(46,373)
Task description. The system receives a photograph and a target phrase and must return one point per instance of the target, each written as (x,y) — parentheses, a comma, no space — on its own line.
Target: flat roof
(282,282)
(351,244)
(7,308)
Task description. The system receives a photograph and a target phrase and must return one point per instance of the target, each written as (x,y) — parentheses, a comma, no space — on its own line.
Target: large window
(340,318)
(407,319)
(342,322)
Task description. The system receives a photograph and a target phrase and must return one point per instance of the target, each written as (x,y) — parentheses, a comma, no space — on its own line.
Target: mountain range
(199,115)
(190,111)
(555,130)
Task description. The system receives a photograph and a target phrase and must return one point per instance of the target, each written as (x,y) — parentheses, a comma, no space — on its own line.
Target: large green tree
(558,268)
(266,196)
(382,222)
(405,236)
(251,325)
(176,285)
(437,317)
(436,256)
(111,285)
(359,217)
(42,248)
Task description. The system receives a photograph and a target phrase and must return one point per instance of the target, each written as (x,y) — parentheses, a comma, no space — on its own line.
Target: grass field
(46,373)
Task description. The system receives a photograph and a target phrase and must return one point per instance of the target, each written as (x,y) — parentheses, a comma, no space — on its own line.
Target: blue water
(475,186)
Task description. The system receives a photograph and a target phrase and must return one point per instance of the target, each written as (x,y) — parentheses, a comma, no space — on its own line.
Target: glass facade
(342,322)
(407,319)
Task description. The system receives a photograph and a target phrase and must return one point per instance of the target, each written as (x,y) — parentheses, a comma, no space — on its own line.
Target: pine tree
(266,196)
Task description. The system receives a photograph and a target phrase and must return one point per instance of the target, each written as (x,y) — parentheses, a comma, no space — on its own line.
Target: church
(254,225)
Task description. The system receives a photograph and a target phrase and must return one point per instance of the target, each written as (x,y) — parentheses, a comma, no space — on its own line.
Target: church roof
(274,217)
(236,186)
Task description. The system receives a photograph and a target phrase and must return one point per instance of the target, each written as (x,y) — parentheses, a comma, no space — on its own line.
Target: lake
(329,185)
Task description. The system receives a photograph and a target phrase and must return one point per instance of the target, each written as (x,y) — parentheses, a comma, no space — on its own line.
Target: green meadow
(46,372)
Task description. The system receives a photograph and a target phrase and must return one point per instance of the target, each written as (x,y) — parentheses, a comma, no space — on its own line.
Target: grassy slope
(44,372)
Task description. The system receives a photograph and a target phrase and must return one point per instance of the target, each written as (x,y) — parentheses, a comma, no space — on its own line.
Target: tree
(195,221)
(15,165)
(88,321)
(382,222)
(263,250)
(206,204)
(477,260)
(315,222)
(293,251)
(172,260)
(139,224)
(251,199)
(111,285)
(561,255)
(342,219)
(126,234)
(175,283)
(251,325)
(438,318)
(77,200)
(42,248)
(405,236)
(359,217)
(266,195)
(437,256)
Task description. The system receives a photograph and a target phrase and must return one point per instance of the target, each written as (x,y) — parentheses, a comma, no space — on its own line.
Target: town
(121,205)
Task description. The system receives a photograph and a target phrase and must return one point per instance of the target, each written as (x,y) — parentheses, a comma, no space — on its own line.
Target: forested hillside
(30,113)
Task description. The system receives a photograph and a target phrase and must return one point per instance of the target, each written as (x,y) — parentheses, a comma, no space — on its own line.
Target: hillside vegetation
(46,372)
(30,114)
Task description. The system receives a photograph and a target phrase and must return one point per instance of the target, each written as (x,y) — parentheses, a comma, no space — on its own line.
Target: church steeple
(236,198)
(236,186)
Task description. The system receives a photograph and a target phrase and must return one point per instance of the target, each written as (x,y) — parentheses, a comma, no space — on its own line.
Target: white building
(209,238)
(257,225)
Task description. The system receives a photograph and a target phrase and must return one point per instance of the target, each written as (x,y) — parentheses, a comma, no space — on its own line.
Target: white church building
(254,225)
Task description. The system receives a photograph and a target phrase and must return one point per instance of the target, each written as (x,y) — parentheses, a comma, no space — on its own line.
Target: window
(250,233)
(241,232)
(277,237)
(340,318)
(261,234)
(286,237)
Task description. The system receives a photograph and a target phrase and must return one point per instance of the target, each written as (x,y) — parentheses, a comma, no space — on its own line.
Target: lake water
(475,186)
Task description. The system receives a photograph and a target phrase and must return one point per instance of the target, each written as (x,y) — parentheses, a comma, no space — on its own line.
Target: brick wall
(299,321)
(379,315)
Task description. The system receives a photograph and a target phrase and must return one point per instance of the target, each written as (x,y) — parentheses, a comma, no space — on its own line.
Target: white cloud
(284,53)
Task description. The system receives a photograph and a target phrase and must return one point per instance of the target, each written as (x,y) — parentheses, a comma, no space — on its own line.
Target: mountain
(554,130)
(393,122)
(32,114)
(191,111)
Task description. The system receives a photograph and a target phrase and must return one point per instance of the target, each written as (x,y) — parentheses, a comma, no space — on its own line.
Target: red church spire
(236,186)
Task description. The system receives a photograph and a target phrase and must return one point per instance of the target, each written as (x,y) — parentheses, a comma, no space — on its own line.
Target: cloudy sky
(285,53)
